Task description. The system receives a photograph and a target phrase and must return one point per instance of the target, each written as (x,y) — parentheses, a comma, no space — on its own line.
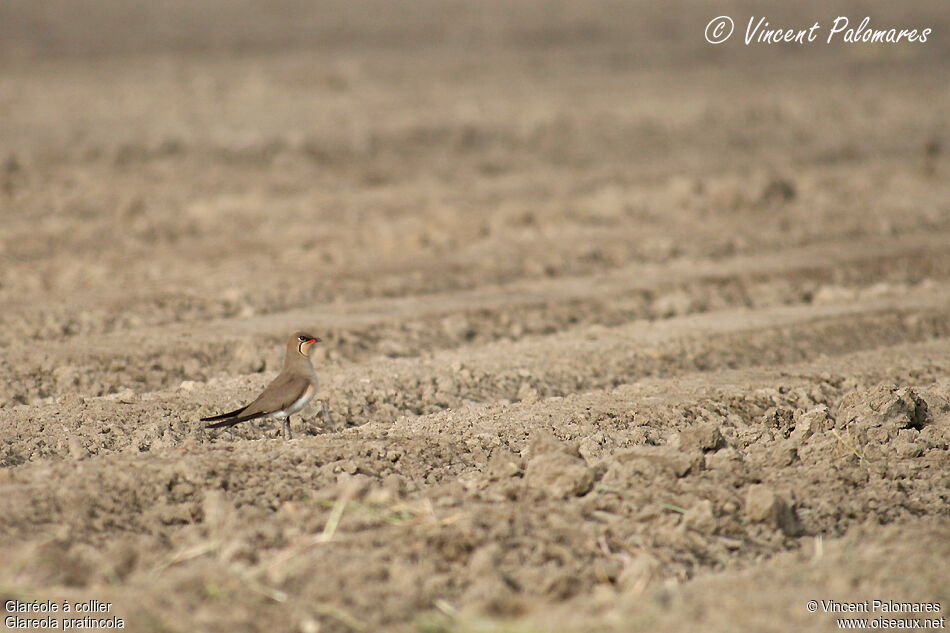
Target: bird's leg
(286,426)
(326,413)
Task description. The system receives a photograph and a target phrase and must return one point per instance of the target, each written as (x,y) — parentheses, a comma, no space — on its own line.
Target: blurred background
(176,161)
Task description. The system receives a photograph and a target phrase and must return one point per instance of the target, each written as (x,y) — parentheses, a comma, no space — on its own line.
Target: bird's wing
(280,394)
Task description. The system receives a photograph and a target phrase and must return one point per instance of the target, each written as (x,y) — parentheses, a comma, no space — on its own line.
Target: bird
(290,391)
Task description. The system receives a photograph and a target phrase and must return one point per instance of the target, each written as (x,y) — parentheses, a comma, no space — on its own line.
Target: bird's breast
(303,400)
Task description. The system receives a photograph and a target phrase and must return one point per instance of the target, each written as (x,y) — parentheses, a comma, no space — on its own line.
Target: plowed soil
(621,331)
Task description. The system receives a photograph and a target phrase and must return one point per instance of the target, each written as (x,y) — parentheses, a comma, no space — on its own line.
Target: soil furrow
(361,331)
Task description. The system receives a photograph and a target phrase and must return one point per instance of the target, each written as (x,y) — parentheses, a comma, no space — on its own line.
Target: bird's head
(303,342)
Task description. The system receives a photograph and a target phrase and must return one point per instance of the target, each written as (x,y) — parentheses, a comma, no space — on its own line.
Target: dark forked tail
(221,416)
(231,421)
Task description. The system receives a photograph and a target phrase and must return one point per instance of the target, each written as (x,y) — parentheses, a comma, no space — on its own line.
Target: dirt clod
(559,474)
(701,437)
(762,504)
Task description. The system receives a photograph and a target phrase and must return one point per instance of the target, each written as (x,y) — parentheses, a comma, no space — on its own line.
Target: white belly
(298,404)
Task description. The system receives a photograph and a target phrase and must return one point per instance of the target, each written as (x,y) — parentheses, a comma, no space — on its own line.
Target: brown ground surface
(622,331)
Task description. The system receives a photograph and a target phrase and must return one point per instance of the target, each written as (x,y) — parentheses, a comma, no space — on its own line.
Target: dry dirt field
(622,331)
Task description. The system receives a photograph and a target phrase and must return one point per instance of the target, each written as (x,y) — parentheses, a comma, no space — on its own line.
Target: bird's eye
(302,338)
